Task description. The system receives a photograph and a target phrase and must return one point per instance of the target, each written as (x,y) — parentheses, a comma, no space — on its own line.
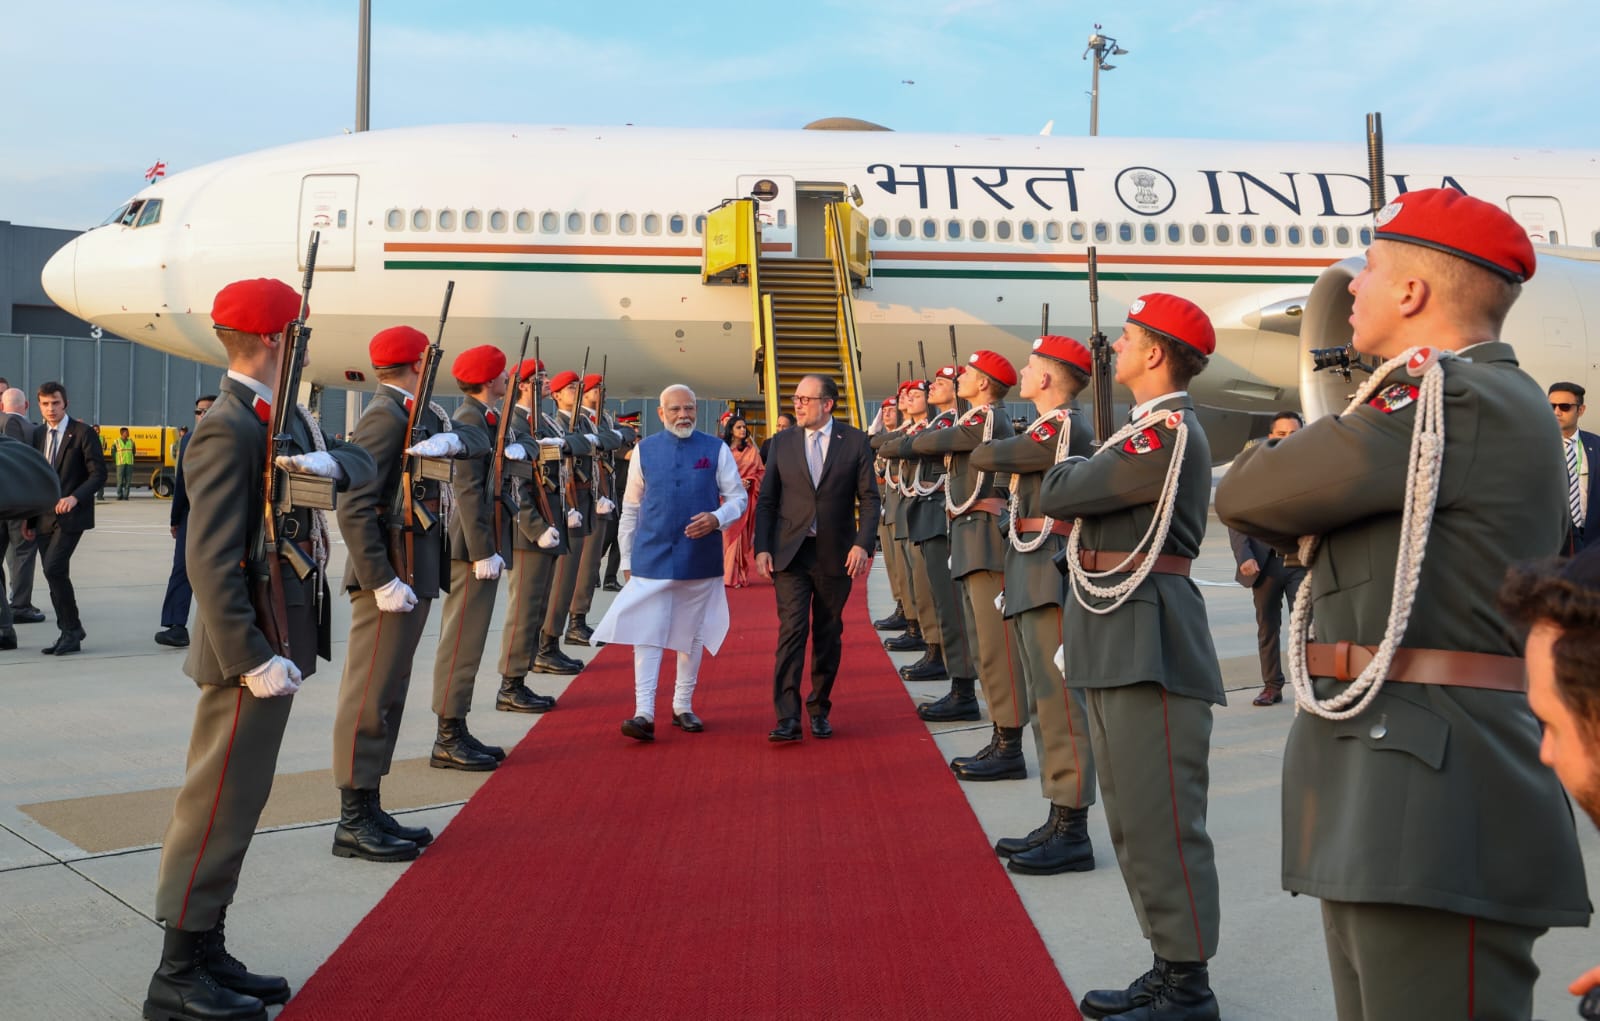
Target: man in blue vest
(672,559)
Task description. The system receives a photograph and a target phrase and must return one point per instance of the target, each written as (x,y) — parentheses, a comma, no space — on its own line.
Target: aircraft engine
(1549,326)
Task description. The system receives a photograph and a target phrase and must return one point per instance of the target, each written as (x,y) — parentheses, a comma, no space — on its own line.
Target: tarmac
(92,750)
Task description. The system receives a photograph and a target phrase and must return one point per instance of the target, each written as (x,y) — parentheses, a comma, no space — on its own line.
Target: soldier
(1056,371)
(628,426)
(475,562)
(1138,642)
(593,421)
(889,420)
(577,465)
(921,623)
(388,613)
(246,688)
(978,558)
(1414,803)
(537,546)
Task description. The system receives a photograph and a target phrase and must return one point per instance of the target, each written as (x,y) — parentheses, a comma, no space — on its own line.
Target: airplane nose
(60,278)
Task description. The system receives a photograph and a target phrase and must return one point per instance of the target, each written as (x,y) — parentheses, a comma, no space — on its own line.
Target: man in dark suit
(30,491)
(785,423)
(21,550)
(1581,450)
(174,631)
(811,541)
(1273,582)
(73,450)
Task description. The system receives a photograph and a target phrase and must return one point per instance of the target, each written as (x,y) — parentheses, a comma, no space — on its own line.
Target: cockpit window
(130,215)
(150,214)
(116,217)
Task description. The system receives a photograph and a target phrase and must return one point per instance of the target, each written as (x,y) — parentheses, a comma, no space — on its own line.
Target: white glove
(549,441)
(314,463)
(574,518)
(1000,602)
(594,441)
(488,569)
(395,597)
(277,676)
(516,452)
(604,506)
(1061,659)
(441,445)
(550,539)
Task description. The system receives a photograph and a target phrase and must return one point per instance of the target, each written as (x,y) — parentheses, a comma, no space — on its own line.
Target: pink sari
(738,540)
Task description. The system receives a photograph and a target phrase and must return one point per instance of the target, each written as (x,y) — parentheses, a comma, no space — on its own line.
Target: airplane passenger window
(1028,231)
(1555,235)
(1174,233)
(952,230)
(1224,233)
(394,219)
(1077,231)
(1341,236)
(447,219)
(574,223)
(1197,233)
(1597,239)
(550,222)
(652,223)
(676,224)
(1102,232)
(980,230)
(497,220)
(1269,235)
(1366,236)
(152,214)
(1002,230)
(343,219)
(1319,235)
(472,219)
(1247,234)
(783,219)
(930,229)
(903,228)
(601,223)
(1052,230)
(880,228)
(420,218)
(624,223)
(1125,232)
(1294,235)
(699,225)
(1149,233)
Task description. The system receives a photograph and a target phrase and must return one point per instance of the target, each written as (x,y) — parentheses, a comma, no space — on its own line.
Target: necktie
(50,455)
(1574,494)
(814,457)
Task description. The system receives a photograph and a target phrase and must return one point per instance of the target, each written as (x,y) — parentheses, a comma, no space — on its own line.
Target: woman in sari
(738,553)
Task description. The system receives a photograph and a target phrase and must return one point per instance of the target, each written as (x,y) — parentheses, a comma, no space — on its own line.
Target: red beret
(478,365)
(994,366)
(398,345)
(1176,319)
(1448,221)
(915,384)
(529,368)
(591,381)
(888,402)
(262,305)
(562,380)
(628,418)
(948,372)
(1064,349)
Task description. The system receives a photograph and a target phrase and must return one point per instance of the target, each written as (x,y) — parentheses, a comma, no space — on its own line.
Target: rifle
(498,480)
(599,423)
(267,586)
(535,418)
(922,358)
(402,556)
(572,425)
(1100,356)
(955,359)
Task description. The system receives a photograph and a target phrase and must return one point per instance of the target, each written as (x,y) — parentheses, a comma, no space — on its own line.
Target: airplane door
(328,204)
(776,213)
(1541,216)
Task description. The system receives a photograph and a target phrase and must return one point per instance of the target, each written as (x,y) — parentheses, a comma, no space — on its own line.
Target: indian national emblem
(1144,185)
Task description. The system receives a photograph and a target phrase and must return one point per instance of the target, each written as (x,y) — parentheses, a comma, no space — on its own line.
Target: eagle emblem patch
(1142,442)
(1044,432)
(1393,398)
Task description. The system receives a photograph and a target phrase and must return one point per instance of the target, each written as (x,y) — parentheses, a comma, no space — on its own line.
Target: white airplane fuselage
(403,211)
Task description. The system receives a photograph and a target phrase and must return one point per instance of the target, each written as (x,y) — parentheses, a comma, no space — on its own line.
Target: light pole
(1099,44)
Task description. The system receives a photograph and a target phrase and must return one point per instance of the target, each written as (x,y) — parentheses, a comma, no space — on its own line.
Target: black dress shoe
(64,646)
(640,729)
(820,727)
(176,637)
(687,721)
(610,585)
(8,638)
(1270,695)
(27,615)
(788,729)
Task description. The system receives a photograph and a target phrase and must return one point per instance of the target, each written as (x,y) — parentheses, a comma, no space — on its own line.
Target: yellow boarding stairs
(801,313)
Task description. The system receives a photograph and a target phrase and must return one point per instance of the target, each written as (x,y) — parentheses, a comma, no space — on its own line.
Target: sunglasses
(1562,405)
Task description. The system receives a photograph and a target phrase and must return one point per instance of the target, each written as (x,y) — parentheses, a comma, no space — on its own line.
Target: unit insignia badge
(1393,398)
(1044,432)
(1142,442)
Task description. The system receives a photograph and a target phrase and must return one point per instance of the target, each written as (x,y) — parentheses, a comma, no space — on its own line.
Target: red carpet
(706,875)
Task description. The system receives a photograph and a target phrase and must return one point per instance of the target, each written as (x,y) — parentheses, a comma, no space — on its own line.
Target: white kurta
(671,613)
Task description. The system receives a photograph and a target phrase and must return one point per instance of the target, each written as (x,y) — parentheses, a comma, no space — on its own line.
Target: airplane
(595,235)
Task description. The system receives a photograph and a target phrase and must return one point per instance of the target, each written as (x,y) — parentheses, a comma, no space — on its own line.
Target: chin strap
(1063,444)
(1423,472)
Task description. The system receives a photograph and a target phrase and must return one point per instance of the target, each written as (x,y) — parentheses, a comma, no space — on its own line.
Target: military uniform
(915,608)
(1440,846)
(578,455)
(604,525)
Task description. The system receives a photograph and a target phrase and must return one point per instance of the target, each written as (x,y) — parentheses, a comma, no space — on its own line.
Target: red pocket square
(704,462)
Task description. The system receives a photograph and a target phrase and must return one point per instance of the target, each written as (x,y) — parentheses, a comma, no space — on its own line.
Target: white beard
(682,432)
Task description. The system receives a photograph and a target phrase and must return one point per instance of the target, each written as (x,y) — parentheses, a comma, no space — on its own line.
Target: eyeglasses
(199,411)
(1562,406)
(801,400)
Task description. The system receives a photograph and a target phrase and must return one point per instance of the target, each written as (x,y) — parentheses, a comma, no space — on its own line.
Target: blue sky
(94,91)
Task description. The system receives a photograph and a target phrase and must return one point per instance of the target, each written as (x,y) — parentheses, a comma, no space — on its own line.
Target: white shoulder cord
(977,487)
(1423,472)
(1155,537)
(918,487)
(1063,441)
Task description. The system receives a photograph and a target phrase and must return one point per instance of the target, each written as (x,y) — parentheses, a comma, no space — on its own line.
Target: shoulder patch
(943,423)
(1393,398)
(1044,432)
(1142,442)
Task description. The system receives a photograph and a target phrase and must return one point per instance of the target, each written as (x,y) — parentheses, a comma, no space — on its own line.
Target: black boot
(911,641)
(515,697)
(1169,991)
(470,739)
(894,622)
(551,660)
(183,988)
(1005,847)
(453,749)
(957,704)
(960,762)
(231,973)
(419,835)
(930,668)
(578,631)
(1004,761)
(1065,849)
(358,834)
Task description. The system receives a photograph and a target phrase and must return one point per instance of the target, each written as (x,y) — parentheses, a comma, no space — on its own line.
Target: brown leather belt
(989,505)
(1102,560)
(1344,661)
(1061,528)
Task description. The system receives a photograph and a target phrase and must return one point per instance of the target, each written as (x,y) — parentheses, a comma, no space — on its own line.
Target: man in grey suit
(1414,802)
(16,533)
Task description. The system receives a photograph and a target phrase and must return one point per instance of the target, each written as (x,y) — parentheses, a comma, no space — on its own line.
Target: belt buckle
(1341,662)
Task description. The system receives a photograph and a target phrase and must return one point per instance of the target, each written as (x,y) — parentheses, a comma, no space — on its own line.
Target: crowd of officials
(1450,662)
